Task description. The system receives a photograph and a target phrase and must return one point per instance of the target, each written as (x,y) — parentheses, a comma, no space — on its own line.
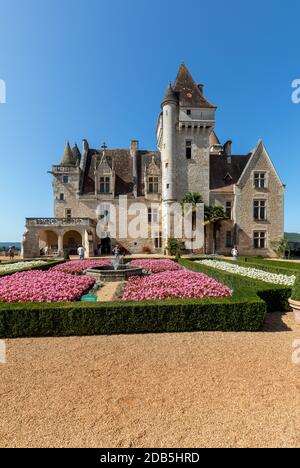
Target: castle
(190,158)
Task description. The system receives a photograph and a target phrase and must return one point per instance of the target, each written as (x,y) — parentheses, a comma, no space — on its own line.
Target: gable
(259,161)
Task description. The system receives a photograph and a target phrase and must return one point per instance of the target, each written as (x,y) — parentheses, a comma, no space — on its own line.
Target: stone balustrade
(31,222)
(64,169)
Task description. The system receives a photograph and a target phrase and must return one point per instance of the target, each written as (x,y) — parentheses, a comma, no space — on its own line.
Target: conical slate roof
(76,154)
(170,95)
(190,95)
(67,157)
(213,139)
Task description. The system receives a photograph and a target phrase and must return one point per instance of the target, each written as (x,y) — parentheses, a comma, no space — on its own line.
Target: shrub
(75,319)
(66,256)
(296,290)
(175,247)
(275,296)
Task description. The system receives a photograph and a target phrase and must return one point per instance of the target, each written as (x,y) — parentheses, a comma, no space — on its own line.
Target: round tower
(169,120)
(168,148)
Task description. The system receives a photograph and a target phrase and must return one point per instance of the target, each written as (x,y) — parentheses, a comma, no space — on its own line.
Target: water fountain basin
(111,273)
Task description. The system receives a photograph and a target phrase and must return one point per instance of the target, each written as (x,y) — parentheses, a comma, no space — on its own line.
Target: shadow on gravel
(278,322)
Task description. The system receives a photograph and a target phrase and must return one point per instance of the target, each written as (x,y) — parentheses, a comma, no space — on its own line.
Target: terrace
(56,235)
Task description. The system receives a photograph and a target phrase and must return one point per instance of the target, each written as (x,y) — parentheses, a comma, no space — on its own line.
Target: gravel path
(166,390)
(109,291)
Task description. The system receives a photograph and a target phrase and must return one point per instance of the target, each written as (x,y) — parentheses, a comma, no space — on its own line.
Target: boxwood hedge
(49,264)
(244,311)
(37,320)
(275,296)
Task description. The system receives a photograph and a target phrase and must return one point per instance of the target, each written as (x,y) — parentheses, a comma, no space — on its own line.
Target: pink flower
(157,265)
(77,266)
(43,286)
(175,284)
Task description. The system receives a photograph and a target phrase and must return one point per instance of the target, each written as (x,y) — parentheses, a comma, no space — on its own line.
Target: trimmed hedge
(50,263)
(269,267)
(244,311)
(73,319)
(277,264)
(275,296)
(296,290)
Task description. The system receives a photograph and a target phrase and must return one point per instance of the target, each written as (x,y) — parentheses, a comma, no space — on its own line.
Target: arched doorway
(72,240)
(48,242)
(106,246)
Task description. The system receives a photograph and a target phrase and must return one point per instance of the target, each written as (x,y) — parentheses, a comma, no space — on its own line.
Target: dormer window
(105,184)
(152,184)
(228,179)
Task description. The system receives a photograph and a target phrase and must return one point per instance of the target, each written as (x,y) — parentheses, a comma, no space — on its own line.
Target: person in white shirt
(80,252)
(235,253)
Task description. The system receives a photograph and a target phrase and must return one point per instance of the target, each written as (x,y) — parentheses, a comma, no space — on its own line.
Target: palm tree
(193,199)
(214,215)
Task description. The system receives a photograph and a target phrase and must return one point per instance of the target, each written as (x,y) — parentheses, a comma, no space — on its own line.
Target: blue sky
(97,69)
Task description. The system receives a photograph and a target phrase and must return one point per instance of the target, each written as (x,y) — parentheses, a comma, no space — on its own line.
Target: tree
(282,248)
(214,215)
(175,247)
(192,199)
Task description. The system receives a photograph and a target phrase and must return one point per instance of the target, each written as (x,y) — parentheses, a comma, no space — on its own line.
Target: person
(46,250)
(80,252)
(116,251)
(11,253)
(235,253)
(99,252)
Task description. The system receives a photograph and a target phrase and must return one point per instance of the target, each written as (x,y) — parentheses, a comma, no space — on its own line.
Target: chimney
(134,147)
(227,148)
(200,87)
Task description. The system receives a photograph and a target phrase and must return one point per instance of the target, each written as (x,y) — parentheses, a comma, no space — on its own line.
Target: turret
(68,157)
(168,147)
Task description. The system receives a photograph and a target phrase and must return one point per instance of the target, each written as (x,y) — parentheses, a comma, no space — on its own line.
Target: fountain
(116,272)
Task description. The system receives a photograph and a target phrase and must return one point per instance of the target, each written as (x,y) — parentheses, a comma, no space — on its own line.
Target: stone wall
(246,193)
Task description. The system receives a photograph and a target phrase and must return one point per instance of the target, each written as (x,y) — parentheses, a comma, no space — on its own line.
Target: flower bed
(17,266)
(43,286)
(253,273)
(175,284)
(156,266)
(77,266)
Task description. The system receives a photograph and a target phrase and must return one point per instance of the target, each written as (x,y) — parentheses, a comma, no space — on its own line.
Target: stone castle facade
(190,158)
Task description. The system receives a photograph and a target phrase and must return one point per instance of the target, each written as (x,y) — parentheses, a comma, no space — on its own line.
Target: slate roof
(120,161)
(170,95)
(189,94)
(220,167)
(68,157)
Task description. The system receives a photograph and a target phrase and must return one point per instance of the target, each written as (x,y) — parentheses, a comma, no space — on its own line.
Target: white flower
(17,266)
(254,273)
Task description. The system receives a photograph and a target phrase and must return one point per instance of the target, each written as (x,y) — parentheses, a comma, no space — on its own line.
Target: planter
(296,308)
